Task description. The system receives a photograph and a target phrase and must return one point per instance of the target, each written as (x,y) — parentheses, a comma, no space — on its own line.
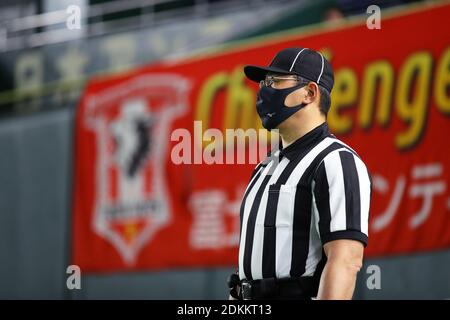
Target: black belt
(302,288)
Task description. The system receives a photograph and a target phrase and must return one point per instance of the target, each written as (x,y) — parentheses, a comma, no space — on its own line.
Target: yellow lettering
(343,96)
(442,83)
(377,86)
(414,77)
(206,98)
(240,103)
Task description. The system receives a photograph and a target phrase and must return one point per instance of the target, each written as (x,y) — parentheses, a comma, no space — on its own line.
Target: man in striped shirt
(304,214)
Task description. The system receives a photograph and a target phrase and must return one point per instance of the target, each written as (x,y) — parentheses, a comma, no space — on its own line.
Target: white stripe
(321,71)
(285,213)
(247,207)
(258,238)
(293,62)
(335,178)
(364,191)
(315,209)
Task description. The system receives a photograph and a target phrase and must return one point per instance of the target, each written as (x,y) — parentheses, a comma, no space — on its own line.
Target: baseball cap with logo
(306,63)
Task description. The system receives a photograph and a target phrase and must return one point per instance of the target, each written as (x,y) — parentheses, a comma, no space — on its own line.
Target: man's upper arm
(342,197)
(350,250)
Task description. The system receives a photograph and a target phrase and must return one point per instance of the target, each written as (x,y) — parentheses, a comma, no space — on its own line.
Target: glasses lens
(270,80)
(266,82)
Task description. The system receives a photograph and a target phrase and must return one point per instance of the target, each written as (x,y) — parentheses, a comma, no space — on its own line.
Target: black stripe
(302,214)
(251,228)
(352,192)
(270,233)
(322,195)
(269,247)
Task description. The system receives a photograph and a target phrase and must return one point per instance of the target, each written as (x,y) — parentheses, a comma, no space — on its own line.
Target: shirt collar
(303,143)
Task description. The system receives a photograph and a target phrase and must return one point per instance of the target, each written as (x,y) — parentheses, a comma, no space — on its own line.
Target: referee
(304,214)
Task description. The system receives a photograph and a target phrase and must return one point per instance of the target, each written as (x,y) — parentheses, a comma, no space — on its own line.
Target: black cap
(304,62)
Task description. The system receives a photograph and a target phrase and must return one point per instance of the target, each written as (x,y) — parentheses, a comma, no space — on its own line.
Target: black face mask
(271,108)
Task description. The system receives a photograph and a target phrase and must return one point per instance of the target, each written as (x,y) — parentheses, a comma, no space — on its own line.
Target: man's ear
(312,92)
(306,94)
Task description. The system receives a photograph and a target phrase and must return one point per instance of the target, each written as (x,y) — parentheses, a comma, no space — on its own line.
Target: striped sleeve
(342,192)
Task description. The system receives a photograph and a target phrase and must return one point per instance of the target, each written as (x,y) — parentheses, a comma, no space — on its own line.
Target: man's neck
(289,136)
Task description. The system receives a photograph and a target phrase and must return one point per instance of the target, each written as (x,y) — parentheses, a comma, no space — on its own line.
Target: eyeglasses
(270,80)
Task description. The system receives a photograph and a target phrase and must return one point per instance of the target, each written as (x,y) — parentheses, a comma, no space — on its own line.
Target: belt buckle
(246,290)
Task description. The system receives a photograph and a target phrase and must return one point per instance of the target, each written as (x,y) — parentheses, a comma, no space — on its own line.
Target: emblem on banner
(131,123)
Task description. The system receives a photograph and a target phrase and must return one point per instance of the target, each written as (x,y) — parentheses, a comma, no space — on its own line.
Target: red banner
(150,189)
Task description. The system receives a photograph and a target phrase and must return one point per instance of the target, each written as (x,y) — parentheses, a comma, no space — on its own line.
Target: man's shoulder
(344,150)
(342,147)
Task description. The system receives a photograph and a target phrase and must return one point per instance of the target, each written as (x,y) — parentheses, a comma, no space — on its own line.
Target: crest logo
(132,124)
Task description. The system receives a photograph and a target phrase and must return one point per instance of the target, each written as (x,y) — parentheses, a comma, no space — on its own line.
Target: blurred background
(58,58)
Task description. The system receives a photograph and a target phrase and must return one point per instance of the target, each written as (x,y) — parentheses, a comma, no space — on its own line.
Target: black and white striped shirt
(314,191)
